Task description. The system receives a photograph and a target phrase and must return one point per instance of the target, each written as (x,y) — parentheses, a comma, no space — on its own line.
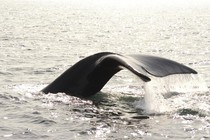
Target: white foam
(33,92)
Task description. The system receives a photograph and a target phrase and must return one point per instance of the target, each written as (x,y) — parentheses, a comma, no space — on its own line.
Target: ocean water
(40,39)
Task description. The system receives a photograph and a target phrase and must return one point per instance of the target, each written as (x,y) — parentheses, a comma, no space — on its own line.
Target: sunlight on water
(168,94)
(29,88)
(126,3)
(40,39)
(33,91)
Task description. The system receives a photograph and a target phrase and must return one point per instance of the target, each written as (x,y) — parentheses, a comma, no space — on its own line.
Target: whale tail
(89,75)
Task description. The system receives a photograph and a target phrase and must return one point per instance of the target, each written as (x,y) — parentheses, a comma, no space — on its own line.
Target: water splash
(173,92)
(162,95)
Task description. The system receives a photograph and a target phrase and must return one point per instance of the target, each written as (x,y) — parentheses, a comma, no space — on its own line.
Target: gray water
(40,39)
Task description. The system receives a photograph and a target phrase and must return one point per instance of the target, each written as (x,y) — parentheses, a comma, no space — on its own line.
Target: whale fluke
(89,75)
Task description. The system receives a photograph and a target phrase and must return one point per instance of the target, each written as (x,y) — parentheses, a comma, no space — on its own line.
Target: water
(39,39)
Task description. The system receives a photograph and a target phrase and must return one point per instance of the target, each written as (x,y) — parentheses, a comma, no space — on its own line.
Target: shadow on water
(113,107)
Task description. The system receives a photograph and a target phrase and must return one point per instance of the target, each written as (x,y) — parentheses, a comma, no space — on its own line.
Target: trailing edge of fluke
(89,75)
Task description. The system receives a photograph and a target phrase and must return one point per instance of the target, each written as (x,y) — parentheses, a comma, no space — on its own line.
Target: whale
(88,76)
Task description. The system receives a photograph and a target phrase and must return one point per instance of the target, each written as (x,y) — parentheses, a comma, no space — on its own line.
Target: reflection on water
(39,39)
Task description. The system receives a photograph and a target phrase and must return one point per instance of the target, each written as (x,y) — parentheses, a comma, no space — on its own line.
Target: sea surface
(40,39)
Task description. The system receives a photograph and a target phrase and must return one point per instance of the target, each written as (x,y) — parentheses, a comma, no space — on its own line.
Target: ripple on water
(105,114)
